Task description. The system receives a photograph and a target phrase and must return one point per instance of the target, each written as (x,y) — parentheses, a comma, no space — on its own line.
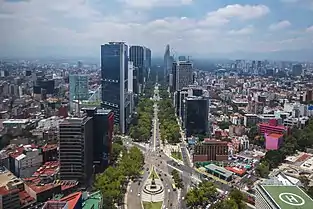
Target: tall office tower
(103,122)
(114,81)
(78,88)
(184,74)
(182,58)
(148,63)
(297,70)
(196,116)
(130,85)
(281,196)
(167,62)
(76,149)
(137,54)
(173,77)
(148,58)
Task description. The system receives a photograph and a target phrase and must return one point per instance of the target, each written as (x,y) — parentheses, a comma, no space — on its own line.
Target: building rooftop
(39,185)
(288,197)
(15,121)
(25,198)
(92,201)
(273,135)
(48,147)
(48,169)
(72,199)
(219,170)
(7,177)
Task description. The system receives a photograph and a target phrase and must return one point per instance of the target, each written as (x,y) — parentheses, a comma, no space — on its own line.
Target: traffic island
(177,155)
(152,194)
(152,205)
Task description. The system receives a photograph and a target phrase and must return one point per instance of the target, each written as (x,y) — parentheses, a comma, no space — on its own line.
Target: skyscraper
(78,85)
(167,62)
(103,121)
(184,74)
(141,58)
(76,149)
(196,116)
(114,80)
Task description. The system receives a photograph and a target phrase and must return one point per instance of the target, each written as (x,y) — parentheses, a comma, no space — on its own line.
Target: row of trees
(113,181)
(177,179)
(235,200)
(141,128)
(202,195)
(169,127)
(206,193)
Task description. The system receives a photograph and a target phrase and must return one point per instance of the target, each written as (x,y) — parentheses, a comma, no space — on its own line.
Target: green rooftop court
(288,197)
(93,201)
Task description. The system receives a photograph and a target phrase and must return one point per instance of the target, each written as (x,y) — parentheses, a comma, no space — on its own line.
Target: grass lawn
(177,155)
(152,205)
(153,174)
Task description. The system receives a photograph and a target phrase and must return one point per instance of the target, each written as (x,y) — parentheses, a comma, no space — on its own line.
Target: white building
(27,162)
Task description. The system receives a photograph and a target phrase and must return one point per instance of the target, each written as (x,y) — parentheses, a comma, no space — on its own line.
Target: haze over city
(280,29)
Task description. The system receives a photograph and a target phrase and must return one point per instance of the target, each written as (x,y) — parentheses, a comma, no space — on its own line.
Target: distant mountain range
(288,55)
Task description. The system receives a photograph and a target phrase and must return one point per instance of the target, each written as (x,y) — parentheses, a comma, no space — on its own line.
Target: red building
(272,127)
(211,150)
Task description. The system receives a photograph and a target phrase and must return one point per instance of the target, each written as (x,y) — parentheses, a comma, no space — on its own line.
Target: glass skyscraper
(78,88)
(114,80)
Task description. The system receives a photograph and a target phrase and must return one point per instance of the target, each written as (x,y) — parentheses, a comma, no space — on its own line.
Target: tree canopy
(177,179)
(112,182)
(169,127)
(202,195)
(141,130)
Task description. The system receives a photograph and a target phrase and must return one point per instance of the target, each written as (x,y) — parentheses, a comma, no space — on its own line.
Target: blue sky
(194,27)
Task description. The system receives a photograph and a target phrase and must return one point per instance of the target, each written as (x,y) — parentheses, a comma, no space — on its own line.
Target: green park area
(153,174)
(152,205)
(177,155)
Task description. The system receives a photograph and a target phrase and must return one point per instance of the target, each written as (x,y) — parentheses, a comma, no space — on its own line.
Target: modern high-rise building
(168,60)
(297,70)
(76,149)
(114,80)
(78,85)
(148,63)
(184,74)
(103,122)
(196,116)
(173,78)
(141,58)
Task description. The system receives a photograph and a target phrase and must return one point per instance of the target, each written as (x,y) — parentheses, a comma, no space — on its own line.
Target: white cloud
(280,25)
(243,31)
(241,11)
(76,28)
(310,29)
(148,4)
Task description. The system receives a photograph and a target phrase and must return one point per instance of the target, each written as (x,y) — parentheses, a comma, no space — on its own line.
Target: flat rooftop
(288,197)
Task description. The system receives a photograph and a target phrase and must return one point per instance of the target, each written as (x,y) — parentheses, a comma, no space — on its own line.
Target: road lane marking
(175,168)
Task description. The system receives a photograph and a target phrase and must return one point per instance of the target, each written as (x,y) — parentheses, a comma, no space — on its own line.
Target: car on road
(138,194)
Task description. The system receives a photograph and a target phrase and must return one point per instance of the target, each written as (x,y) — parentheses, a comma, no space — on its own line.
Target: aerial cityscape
(176,104)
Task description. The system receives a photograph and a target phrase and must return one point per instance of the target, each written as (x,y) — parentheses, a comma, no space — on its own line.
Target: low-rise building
(211,150)
(273,141)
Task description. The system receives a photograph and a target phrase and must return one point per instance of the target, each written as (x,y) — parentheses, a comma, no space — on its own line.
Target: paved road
(133,197)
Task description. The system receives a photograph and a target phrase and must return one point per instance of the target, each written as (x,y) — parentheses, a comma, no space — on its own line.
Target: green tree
(263,169)
(202,195)
(226,204)
(238,197)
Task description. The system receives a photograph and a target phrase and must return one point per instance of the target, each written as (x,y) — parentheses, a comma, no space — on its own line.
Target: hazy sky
(79,27)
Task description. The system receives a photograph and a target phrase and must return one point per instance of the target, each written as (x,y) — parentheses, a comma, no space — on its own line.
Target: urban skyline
(198,28)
